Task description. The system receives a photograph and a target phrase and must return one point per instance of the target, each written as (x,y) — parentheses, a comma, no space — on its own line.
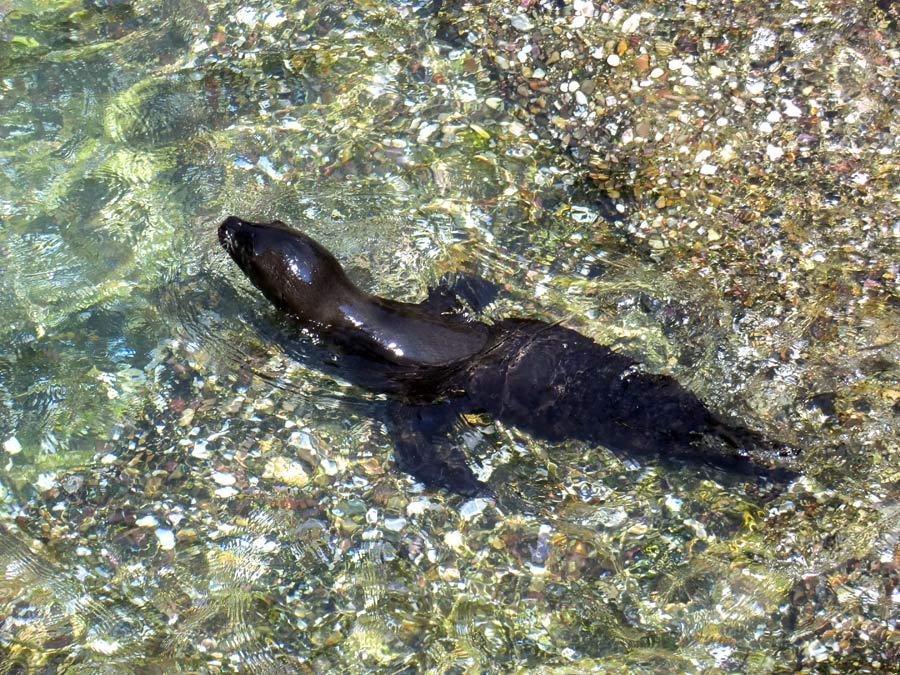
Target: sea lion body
(543,378)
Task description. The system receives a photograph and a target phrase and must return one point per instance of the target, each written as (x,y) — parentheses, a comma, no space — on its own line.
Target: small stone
(642,63)
(713,235)
(166,539)
(773,152)
(223,478)
(583,7)
(755,87)
(613,60)
(394,524)
(286,470)
(790,110)
(472,508)
(12,446)
(632,23)
(521,22)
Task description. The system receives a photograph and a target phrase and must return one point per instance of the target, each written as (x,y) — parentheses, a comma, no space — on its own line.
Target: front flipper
(423,449)
(451,289)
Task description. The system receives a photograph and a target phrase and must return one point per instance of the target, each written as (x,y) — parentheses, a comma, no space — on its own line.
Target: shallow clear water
(179,494)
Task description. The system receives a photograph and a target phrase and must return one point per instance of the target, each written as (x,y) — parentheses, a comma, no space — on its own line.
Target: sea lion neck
(301,278)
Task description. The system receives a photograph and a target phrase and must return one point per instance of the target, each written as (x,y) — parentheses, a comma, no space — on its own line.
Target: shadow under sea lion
(438,363)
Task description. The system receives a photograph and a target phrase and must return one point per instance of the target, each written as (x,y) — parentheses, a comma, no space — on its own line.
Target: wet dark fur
(543,378)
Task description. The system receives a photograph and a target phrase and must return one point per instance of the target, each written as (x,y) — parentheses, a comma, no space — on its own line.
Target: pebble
(791,110)
(773,152)
(613,60)
(521,22)
(632,23)
(166,538)
(12,446)
(755,87)
(472,508)
(224,478)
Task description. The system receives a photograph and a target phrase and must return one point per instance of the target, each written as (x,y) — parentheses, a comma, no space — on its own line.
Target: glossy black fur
(543,378)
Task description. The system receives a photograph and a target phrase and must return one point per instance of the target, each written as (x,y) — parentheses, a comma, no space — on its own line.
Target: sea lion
(438,363)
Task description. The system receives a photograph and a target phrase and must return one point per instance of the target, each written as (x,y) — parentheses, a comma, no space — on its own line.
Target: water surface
(179,494)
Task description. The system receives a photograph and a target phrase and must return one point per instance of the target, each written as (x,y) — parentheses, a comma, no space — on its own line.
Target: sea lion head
(295,273)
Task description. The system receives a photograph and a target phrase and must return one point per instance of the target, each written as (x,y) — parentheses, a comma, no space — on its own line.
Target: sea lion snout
(228,231)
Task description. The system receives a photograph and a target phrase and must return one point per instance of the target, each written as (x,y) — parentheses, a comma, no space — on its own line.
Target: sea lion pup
(437,363)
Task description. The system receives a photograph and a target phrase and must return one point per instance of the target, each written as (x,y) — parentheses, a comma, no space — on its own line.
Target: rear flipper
(750,452)
(456,291)
(422,448)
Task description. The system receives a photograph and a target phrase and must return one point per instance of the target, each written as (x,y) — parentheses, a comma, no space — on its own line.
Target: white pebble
(224,478)
(472,508)
(146,521)
(521,22)
(675,64)
(708,169)
(755,87)
(773,117)
(166,539)
(673,503)
(12,446)
(613,60)
(773,152)
(246,16)
(631,24)
(790,110)
(583,7)
(580,98)
(656,73)
(395,524)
